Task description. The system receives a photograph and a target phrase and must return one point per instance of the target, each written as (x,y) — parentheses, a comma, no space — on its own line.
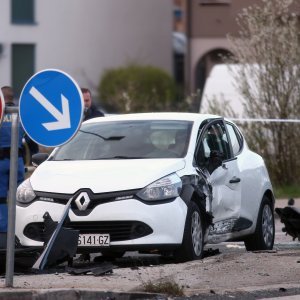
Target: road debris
(103,269)
(290,216)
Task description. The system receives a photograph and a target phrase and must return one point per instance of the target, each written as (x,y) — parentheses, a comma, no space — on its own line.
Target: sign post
(10,239)
(13,172)
(2,107)
(51,112)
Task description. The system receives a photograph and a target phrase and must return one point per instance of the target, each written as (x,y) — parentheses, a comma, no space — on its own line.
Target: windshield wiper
(128,157)
(120,157)
(63,159)
(110,138)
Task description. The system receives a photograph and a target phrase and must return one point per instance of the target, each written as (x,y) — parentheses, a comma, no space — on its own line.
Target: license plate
(102,240)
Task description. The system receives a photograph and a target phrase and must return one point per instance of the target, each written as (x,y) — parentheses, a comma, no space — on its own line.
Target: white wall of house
(86,37)
(200,47)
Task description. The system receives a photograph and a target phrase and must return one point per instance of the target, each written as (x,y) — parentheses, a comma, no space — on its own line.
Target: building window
(22,11)
(22,65)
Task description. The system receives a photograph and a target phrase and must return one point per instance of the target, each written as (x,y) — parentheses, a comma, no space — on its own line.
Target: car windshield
(127,140)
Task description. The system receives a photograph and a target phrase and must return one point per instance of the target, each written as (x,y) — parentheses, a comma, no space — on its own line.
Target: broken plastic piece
(62,244)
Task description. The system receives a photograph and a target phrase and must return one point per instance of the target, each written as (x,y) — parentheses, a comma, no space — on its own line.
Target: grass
(290,191)
(170,288)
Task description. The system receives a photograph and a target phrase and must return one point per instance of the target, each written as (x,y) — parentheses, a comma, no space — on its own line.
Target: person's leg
(4,176)
(4,186)
(3,218)
(21,170)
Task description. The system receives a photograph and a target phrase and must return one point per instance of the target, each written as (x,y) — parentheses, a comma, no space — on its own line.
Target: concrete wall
(85,37)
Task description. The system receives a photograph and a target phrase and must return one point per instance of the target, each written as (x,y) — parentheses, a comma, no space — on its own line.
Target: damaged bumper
(166,221)
(229,229)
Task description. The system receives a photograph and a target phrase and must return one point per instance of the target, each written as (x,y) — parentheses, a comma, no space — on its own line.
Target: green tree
(138,89)
(268,50)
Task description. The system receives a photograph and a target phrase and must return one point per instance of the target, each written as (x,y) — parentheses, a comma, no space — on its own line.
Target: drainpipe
(187,62)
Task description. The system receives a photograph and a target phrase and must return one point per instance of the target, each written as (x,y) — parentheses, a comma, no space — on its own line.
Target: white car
(152,182)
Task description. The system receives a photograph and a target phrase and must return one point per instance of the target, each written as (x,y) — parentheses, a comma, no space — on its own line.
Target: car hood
(101,176)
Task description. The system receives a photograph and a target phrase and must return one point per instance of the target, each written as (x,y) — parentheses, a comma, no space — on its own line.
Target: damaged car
(154,183)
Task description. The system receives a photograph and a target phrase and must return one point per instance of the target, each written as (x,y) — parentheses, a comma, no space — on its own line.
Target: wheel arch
(201,203)
(269,194)
(256,241)
(192,192)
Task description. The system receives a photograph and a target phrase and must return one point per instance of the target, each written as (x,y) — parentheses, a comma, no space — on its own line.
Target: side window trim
(229,159)
(229,141)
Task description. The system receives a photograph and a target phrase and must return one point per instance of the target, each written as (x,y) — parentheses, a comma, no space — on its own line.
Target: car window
(128,139)
(213,141)
(235,140)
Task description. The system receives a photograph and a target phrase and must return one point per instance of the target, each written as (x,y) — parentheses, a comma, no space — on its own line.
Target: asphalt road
(227,271)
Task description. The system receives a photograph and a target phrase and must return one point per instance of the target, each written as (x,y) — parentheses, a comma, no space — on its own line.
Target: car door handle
(234,179)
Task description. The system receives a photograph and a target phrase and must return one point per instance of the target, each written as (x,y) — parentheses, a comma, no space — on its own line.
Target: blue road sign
(51,107)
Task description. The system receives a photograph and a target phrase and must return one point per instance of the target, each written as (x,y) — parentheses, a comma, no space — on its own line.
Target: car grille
(95,199)
(118,230)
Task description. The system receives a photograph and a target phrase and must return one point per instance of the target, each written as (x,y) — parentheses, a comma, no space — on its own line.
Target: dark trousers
(4,185)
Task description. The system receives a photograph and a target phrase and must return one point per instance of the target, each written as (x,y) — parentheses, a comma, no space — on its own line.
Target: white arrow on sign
(63,119)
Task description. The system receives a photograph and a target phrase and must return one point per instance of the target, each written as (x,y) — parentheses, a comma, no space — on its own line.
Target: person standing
(90,110)
(5,146)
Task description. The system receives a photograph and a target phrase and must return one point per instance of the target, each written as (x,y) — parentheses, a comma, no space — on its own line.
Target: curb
(74,294)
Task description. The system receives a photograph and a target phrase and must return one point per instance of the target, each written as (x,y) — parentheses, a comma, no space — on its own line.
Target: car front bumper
(166,220)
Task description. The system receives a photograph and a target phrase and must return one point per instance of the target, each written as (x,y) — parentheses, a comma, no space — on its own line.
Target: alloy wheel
(197,234)
(267,225)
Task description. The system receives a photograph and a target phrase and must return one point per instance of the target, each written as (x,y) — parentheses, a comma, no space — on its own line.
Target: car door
(214,152)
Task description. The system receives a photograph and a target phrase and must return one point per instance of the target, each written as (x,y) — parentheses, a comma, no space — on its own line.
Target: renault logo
(82,201)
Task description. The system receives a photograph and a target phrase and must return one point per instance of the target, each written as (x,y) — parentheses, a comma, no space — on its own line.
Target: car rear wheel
(263,238)
(193,237)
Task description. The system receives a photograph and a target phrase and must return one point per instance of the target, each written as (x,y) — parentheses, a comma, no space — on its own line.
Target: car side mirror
(38,158)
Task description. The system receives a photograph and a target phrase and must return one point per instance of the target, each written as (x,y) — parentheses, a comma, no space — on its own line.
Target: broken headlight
(25,193)
(164,188)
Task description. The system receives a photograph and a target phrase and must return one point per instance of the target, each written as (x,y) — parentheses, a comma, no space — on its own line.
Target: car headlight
(164,188)
(25,193)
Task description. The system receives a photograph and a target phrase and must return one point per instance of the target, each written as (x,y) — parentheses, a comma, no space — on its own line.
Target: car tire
(193,237)
(263,238)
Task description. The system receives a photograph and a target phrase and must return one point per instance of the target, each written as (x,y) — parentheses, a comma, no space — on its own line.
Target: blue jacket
(5,132)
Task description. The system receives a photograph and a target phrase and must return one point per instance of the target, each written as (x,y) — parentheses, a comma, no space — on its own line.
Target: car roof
(180,116)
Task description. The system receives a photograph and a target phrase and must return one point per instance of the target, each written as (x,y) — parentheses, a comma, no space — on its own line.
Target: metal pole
(10,249)
(188,60)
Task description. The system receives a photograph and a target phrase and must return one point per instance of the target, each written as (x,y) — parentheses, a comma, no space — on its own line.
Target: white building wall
(200,47)
(85,37)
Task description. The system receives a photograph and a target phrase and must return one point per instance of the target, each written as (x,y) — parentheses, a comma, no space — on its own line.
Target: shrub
(164,287)
(138,89)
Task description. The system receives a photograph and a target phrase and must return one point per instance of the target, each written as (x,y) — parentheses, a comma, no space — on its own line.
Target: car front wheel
(193,243)
(263,238)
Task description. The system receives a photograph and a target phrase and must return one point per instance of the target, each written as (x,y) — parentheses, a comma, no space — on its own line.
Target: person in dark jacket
(5,142)
(5,145)
(90,110)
